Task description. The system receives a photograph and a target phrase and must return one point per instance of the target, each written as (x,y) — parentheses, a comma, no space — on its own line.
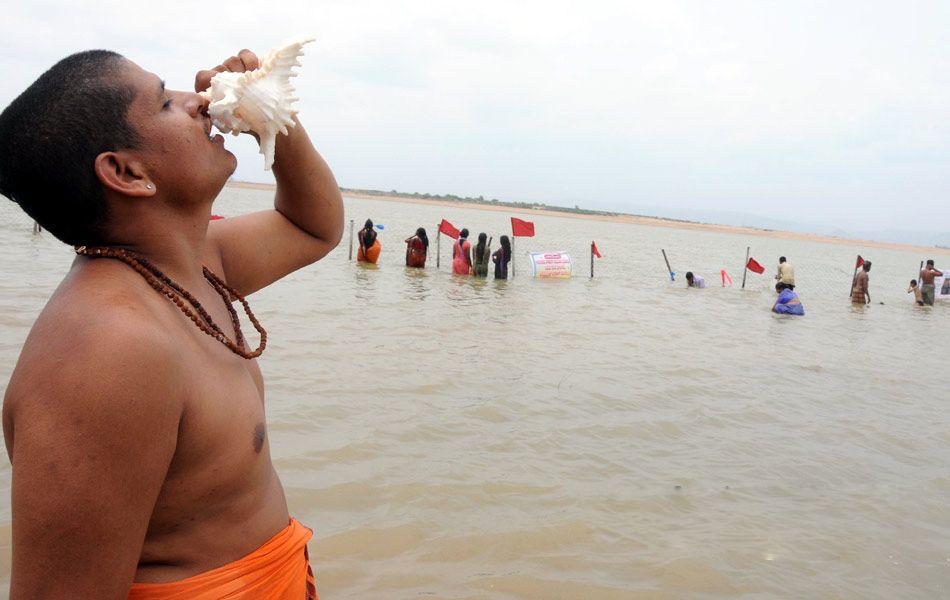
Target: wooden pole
(592,260)
(513,261)
(351,239)
(745,265)
(438,247)
(668,267)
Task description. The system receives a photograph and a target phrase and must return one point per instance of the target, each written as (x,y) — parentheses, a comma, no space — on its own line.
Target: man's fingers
(249,59)
(203,79)
(234,64)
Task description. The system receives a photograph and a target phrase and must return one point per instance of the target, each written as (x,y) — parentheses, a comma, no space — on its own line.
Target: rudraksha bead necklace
(174,292)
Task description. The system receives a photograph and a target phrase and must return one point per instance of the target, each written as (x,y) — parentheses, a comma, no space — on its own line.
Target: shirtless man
(859,289)
(138,442)
(927,275)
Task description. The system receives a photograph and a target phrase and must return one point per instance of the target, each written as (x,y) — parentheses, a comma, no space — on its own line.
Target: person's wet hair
(480,247)
(867,265)
(506,246)
(421,234)
(368,224)
(463,233)
(50,136)
(781,259)
(930,262)
(779,287)
(689,275)
(913,282)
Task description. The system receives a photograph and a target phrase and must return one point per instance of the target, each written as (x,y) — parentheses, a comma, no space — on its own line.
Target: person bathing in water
(695,281)
(134,419)
(787,302)
(462,255)
(502,257)
(915,289)
(417,249)
(480,256)
(927,289)
(369,244)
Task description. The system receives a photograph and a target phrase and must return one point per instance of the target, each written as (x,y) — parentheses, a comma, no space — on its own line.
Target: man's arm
(306,223)
(94,423)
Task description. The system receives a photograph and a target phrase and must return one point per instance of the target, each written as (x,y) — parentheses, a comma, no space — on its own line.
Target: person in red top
(462,255)
(417,249)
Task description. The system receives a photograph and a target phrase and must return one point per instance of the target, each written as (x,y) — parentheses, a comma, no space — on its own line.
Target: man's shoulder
(98,334)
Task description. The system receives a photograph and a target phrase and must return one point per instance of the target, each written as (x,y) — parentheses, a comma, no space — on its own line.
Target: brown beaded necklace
(174,292)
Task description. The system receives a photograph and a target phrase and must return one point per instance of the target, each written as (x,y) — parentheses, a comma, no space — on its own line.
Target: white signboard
(942,287)
(551,265)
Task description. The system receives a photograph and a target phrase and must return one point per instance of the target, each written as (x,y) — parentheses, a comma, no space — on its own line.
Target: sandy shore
(632,219)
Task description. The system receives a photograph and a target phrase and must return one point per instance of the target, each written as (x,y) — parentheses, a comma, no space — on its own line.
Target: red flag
(521,228)
(754,266)
(449,229)
(593,248)
(215,217)
(859,263)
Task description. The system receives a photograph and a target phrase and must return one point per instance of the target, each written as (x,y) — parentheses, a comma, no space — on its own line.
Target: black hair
(463,233)
(480,247)
(506,246)
(50,136)
(913,282)
(781,259)
(368,224)
(689,275)
(930,262)
(421,234)
(867,266)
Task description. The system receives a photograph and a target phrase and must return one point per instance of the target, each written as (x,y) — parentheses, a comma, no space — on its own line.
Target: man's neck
(174,241)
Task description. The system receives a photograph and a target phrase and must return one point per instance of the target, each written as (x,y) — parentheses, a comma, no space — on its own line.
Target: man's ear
(123,174)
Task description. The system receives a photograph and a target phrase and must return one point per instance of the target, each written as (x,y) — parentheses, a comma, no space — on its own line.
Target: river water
(615,437)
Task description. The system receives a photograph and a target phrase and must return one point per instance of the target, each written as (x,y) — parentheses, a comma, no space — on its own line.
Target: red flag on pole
(593,248)
(754,266)
(449,229)
(859,263)
(521,228)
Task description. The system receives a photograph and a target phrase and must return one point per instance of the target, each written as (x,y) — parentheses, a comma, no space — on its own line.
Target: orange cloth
(372,253)
(278,570)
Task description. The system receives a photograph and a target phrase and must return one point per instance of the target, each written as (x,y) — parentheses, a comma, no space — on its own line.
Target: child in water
(918,297)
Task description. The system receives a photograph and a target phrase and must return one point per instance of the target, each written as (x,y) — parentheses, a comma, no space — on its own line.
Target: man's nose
(196,105)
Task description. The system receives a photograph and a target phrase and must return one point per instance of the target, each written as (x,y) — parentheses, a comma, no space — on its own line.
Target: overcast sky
(821,112)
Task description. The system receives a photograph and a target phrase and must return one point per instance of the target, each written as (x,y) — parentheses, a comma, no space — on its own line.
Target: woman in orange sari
(417,249)
(369,245)
(462,255)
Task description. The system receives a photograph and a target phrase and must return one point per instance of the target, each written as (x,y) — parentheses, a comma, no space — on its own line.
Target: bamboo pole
(592,260)
(513,261)
(745,266)
(854,278)
(668,267)
(438,247)
(351,239)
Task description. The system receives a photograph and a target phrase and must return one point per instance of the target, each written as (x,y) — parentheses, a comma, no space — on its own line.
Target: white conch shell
(260,101)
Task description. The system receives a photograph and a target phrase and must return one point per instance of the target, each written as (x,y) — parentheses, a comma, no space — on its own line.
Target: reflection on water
(609,438)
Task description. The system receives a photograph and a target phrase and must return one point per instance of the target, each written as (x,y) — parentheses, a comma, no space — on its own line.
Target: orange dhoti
(278,570)
(372,253)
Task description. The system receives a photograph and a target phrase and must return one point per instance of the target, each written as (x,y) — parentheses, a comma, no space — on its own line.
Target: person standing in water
(927,276)
(417,249)
(860,294)
(462,255)
(141,462)
(786,273)
(915,289)
(369,244)
(502,257)
(480,256)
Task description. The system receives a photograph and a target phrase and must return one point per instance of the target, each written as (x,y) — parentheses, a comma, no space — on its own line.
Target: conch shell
(260,101)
